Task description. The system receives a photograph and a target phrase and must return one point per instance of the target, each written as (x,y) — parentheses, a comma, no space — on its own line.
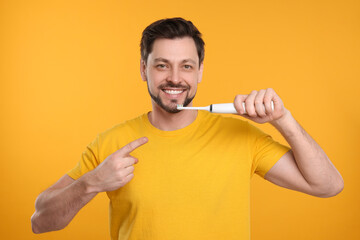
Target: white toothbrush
(219,108)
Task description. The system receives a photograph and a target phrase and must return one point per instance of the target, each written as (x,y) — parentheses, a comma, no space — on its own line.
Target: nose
(174,76)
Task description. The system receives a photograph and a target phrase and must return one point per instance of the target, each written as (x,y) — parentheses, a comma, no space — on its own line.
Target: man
(173,174)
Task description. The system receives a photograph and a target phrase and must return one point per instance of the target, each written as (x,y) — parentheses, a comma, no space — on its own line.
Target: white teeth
(173,91)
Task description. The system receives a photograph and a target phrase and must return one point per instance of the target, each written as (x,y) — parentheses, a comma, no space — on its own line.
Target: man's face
(172,73)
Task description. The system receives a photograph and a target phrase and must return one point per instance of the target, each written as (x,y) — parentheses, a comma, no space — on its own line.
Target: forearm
(55,208)
(313,163)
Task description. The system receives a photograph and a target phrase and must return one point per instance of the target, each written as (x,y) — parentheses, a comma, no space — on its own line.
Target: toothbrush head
(180,107)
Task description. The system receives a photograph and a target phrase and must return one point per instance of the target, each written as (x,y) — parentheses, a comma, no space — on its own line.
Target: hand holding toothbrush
(258,106)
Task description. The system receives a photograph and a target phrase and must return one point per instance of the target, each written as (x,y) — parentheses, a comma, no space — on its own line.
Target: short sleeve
(89,160)
(265,152)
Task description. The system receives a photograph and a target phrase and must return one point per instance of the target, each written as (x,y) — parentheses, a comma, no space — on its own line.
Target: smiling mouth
(173,91)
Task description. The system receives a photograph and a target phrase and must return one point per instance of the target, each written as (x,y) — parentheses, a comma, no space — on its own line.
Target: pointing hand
(117,169)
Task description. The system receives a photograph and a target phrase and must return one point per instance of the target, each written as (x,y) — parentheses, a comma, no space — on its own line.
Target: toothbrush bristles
(179,106)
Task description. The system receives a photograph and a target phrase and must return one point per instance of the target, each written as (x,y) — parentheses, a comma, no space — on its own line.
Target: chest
(171,173)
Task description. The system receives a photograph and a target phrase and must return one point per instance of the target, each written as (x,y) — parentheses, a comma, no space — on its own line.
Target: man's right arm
(57,206)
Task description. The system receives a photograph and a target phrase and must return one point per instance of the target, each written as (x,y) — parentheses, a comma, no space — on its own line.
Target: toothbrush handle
(229,107)
(223,108)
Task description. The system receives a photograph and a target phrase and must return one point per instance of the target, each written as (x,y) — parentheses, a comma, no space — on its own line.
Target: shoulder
(224,123)
(124,129)
(230,120)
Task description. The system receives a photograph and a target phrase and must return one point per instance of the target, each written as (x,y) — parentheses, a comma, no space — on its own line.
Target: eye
(187,66)
(161,66)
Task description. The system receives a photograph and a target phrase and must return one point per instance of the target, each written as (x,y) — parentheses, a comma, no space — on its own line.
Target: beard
(170,109)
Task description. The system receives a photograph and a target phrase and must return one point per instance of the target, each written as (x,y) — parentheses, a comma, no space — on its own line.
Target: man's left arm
(306,168)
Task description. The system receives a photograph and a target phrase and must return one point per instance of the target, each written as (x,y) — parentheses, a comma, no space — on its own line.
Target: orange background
(70,69)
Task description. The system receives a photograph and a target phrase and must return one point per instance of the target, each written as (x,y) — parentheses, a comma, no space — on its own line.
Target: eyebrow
(160,59)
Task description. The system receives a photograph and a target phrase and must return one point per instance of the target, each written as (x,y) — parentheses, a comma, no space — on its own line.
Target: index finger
(128,148)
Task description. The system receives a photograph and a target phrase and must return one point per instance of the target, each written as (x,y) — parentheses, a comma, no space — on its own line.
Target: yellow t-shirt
(191,183)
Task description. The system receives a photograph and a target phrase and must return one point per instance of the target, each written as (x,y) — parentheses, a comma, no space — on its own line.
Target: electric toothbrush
(219,108)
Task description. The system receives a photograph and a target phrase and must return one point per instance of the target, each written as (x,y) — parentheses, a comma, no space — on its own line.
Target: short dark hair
(170,28)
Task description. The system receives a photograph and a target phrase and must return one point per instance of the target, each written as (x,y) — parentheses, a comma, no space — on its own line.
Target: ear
(143,70)
(200,74)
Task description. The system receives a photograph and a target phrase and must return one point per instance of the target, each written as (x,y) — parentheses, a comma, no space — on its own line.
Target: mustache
(172,85)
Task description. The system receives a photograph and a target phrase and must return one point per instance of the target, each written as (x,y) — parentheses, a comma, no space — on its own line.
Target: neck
(165,121)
